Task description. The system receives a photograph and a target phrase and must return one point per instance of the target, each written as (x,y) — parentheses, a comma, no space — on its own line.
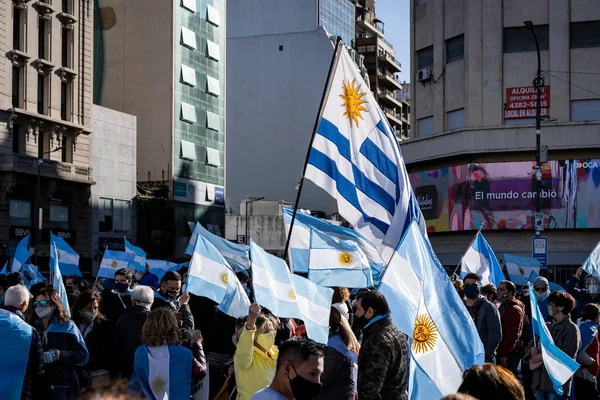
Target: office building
(45,125)
(473,136)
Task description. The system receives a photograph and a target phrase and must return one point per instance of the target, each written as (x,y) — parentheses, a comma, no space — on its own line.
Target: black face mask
(361,322)
(121,287)
(171,294)
(302,388)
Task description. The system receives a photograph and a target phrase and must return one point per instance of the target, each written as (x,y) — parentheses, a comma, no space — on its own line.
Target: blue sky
(396,16)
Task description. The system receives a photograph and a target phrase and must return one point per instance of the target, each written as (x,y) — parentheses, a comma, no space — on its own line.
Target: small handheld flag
(139,256)
(481,260)
(68,259)
(22,254)
(57,282)
(592,263)
(519,268)
(112,261)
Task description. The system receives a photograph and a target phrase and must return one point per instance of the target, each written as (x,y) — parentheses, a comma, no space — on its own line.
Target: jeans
(540,395)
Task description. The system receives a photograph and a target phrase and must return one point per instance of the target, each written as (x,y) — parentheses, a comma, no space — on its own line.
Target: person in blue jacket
(587,292)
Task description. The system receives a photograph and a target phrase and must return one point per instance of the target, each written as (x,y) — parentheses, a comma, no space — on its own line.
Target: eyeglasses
(540,289)
(41,303)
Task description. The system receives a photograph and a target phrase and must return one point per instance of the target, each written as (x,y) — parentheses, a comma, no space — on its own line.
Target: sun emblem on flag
(225,278)
(292,294)
(114,264)
(158,385)
(425,334)
(353,101)
(133,253)
(345,258)
(522,271)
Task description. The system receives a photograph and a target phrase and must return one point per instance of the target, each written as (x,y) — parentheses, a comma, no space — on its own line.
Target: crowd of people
(136,337)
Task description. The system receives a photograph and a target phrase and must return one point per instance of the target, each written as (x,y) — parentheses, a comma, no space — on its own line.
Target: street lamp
(538,83)
(40,213)
(250,200)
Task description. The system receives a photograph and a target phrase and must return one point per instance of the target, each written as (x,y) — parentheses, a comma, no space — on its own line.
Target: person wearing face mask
(128,334)
(299,368)
(255,356)
(21,354)
(63,345)
(512,312)
(484,314)
(383,358)
(586,376)
(169,297)
(115,301)
(98,335)
(589,292)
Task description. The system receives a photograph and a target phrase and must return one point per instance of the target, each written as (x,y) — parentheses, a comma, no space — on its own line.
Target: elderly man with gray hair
(128,336)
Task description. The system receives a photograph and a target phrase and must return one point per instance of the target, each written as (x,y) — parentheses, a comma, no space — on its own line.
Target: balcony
(393,117)
(49,169)
(389,79)
(390,61)
(388,97)
(369,26)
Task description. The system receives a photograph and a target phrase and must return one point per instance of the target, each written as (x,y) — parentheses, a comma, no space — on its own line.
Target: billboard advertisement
(504,195)
(521,102)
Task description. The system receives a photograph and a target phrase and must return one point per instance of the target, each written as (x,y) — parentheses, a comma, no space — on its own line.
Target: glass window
(212,121)
(212,15)
(188,112)
(188,150)
(585,34)
(42,95)
(212,157)
(67,150)
(59,216)
(210,193)
(114,215)
(189,4)
(425,58)
(18,41)
(212,50)
(188,38)
(105,215)
(212,86)
(455,119)
(188,75)
(455,48)
(585,110)
(20,210)
(425,126)
(16,87)
(520,39)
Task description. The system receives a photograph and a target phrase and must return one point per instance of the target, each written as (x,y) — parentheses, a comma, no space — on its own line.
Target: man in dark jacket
(128,336)
(383,358)
(16,302)
(512,313)
(114,302)
(588,291)
(169,296)
(484,314)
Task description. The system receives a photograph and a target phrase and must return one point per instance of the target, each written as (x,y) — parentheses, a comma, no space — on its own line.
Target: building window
(212,50)
(19,35)
(42,94)
(66,101)
(67,7)
(114,215)
(455,48)
(19,212)
(419,2)
(585,34)
(188,75)
(44,144)
(425,58)
(18,139)
(212,86)
(212,157)
(188,113)
(188,150)
(18,86)
(67,150)
(59,216)
(212,121)
(455,119)
(585,110)
(188,38)
(67,48)
(44,31)
(212,15)
(189,4)
(425,126)
(520,39)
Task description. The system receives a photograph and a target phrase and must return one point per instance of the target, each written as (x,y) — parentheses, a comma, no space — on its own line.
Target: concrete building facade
(473,122)
(45,125)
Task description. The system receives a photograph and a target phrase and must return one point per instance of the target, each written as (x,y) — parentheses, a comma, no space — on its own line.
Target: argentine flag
(160,267)
(235,254)
(427,308)
(31,275)
(480,259)
(112,261)
(560,367)
(57,281)
(16,339)
(210,276)
(355,157)
(301,239)
(592,263)
(68,259)
(4,270)
(520,268)
(290,296)
(139,256)
(335,262)
(22,254)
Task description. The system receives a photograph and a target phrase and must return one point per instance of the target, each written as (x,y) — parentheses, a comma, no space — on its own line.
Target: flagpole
(470,244)
(324,96)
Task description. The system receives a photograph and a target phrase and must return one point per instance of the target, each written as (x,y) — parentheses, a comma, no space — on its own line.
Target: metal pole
(38,203)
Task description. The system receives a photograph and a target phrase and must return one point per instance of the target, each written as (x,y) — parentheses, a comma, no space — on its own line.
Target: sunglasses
(41,303)
(540,289)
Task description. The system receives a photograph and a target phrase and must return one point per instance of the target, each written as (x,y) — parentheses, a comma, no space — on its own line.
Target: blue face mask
(471,290)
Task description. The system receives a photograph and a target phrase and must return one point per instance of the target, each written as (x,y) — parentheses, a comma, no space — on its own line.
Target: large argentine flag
(560,367)
(480,259)
(68,259)
(210,276)
(427,308)
(57,281)
(335,262)
(16,337)
(592,264)
(139,256)
(234,253)
(355,157)
(22,254)
(520,268)
(290,296)
(112,262)
(301,239)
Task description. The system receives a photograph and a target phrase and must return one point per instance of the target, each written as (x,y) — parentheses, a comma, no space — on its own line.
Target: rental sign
(521,102)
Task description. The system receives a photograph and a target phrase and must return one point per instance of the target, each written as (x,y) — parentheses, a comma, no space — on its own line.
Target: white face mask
(44,312)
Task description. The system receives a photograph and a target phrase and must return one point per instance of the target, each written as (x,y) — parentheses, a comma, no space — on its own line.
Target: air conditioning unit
(424,74)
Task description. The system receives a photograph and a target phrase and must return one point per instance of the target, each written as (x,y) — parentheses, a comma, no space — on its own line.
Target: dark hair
(13,279)
(340,295)
(489,289)
(458,396)
(511,287)
(183,270)
(2,280)
(170,276)
(491,382)
(472,275)
(82,302)
(124,272)
(562,299)
(590,311)
(374,300)
(297,351)
(54,300)
(37,288)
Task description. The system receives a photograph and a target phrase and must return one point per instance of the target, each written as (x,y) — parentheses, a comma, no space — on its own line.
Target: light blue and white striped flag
(427,308)
(68,259)
(300,241)
(560,366)
(335,262)
(210,276)
(4,270)
(57,281)
(112,261)
(481,260)
(160,267)
(234,253)
(519,268)
(31,275)
(355,157)
(592,263)
(22,254)
(290,296)
(139,256)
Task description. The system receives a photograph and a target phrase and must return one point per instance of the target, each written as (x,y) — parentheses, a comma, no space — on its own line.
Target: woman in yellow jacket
(255,358)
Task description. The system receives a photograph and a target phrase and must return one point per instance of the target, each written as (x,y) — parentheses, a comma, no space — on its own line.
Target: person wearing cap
(585,377)
(588,291)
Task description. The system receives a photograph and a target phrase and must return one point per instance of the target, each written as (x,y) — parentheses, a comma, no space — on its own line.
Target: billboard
(504,195)
(521,102)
